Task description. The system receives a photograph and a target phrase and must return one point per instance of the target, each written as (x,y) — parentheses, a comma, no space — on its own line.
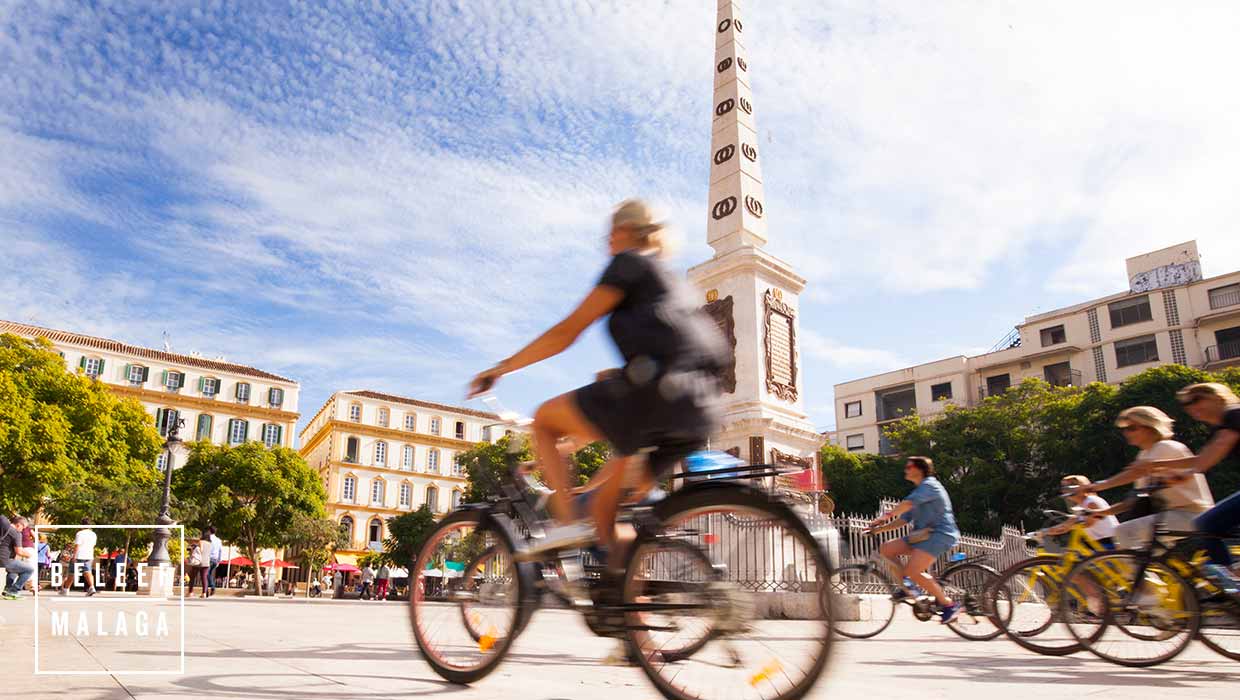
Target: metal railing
(1223,352)
(1225,296)
(1070,378)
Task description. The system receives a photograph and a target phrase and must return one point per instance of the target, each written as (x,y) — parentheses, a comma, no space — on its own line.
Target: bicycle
(873,598)
(1156,597)
(1032,587)
(690,628)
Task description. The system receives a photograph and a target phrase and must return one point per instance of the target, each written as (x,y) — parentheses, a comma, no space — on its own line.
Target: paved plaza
(333,650)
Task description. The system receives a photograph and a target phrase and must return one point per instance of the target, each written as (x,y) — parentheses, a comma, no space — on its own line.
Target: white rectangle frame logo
(109,672)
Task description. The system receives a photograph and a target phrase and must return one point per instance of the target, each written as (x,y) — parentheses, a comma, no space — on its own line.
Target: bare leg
(611,481)
(915,569)
(553,420)
(892,550)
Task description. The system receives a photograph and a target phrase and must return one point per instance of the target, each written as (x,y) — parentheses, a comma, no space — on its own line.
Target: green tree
(589,459)
(314,540)
(406,533)
(65,437)
(858,481)
(251,493)
(486,466)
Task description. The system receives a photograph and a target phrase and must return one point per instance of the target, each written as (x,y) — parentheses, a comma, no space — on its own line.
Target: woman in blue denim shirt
(934,532)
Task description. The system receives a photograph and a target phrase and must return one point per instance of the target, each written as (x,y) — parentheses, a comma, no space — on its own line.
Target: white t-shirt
(85,541)
(1192,495)
(1104,527)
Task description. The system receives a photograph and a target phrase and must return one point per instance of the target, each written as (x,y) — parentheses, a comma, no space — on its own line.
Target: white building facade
(381,455)
(220,402)
(1170,314)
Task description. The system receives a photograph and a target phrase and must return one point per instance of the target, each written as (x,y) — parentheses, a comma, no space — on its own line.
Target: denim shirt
(931,508)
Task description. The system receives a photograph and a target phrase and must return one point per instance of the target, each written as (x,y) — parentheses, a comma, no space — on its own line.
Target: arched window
(272,434)
(432,498)
(435,425)
(351,448)
(208,386)
(355,412)
(406,495)
(411,421)
(407,457)
(346,526)
(204,427)
(432,460)
(375,531)
(137,374)
(377,487)
(383,416)
(348,489)
(238,430)
(381,454)
(456,499)
(460,430)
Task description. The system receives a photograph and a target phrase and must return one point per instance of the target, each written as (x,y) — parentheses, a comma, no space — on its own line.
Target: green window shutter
(279,435)
(82,363)
(125,373)
(146,374)
(201,381)
(159,420)
(245,430)
(163,378)
(101,367)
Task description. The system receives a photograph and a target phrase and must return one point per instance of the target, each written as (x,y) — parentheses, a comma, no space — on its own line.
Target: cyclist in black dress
(661,405)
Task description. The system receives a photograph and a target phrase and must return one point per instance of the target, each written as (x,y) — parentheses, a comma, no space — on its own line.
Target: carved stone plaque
(721,311)
(757,450)
(781,356)
(778,457)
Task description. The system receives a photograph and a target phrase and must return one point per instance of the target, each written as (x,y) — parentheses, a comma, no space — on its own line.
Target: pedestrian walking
(217,553)
(381,582)
(199,560)
(368,580)
(81,560)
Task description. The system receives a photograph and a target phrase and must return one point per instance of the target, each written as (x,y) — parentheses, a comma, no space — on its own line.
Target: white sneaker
(557,538)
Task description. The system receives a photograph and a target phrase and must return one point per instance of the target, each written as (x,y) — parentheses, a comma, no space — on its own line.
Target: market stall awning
(237,561)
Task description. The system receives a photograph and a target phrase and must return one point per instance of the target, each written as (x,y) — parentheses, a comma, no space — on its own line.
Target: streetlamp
(159,540)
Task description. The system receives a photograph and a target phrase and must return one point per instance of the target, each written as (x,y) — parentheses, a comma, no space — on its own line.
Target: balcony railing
(1226,296)
(1223,352)
(1070,378)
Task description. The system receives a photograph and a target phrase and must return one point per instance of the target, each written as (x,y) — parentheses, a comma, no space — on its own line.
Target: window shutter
(279,435)
(163,378)
(146,374)
(82,362)
(201,381)
(101,367)
(159,420)
(125,373)
(245,430)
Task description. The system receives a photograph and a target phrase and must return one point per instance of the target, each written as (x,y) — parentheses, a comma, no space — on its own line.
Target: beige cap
(635,214)
(1148,417)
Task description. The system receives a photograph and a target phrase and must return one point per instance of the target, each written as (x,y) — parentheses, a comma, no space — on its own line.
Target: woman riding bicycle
(1149,430)
(934,531)
(1217,406)
(662,404)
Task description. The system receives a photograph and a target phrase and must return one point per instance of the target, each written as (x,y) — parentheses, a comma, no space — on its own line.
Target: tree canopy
(67,443)
(406,533)
(252,494)
(1001,459)
(485,464)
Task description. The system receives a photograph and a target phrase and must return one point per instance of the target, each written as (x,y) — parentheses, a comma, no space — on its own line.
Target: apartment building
(1169,314)
(221,402)
(381,455)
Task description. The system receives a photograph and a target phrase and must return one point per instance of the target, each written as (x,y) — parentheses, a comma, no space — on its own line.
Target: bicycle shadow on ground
(1083,670)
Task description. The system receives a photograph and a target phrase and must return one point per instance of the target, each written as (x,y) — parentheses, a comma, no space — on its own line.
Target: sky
(396,195)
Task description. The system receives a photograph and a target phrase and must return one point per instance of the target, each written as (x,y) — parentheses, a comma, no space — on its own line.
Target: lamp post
(159,540)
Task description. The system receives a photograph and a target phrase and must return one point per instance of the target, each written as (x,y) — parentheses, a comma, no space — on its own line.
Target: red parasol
(279,563)
(237,561)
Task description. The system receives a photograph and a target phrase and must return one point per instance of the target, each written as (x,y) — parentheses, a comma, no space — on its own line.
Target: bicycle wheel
(1130,620)
(864,605)
(440,590)
(1220,626)
(972,585)
(1032,588)
(768,565)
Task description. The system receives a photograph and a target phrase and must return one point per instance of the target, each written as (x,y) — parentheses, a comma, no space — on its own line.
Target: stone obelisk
(752,294)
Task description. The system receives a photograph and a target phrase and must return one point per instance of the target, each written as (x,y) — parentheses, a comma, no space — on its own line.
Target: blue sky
(394,197)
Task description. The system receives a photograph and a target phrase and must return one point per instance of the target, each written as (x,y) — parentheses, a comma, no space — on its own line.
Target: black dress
(665,400)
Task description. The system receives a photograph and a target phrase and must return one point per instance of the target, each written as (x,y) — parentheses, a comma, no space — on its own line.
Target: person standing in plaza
(217,553)
(43,557)
(368,580)
(381,581)
(17,571)
(120,563)
(83,559)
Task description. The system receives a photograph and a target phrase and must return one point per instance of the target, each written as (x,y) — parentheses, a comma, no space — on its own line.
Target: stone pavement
(335,650)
